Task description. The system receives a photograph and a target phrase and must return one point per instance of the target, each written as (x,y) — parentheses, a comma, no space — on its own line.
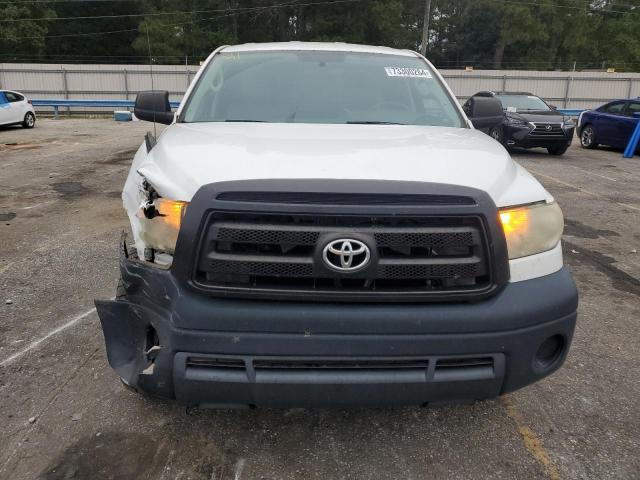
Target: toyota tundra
(320,224)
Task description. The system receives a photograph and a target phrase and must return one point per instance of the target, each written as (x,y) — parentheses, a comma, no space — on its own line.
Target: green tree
(618,38)
(534,34)
(82,40)
(19,36)
(517,25)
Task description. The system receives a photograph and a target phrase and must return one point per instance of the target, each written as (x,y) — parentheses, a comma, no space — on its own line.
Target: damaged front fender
(134,349)
(137,347)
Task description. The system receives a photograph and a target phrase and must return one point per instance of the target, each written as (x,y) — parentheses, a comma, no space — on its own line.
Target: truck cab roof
(316,46)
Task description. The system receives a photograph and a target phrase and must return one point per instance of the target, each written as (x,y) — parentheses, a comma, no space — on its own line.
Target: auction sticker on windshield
(407,72)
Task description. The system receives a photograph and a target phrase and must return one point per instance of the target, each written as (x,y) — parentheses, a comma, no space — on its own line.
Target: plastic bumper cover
(169,341)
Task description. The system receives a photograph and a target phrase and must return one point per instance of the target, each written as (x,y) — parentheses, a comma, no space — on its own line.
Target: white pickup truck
(321,224)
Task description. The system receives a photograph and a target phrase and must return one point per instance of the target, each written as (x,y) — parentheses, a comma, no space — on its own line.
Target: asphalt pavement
(64,414)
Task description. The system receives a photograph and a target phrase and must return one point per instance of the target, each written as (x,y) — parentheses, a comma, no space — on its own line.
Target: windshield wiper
(372,122)
(248,121)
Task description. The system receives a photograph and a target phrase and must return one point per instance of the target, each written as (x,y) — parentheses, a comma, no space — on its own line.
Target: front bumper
(521,137)
(167,340)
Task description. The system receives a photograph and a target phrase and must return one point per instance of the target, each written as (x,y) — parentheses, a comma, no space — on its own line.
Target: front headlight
(568,124)
(160,223)
(531,229)
(515,121)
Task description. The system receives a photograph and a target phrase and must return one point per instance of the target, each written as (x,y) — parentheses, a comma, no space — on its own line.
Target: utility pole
(425,27)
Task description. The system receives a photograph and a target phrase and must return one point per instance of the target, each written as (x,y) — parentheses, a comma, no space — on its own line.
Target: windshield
(320,87)
(522,102)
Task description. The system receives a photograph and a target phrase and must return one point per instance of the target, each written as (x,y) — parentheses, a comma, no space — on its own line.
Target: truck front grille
(260,253)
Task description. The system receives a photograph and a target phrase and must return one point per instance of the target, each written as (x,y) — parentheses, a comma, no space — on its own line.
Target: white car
(321,224)
(16,109)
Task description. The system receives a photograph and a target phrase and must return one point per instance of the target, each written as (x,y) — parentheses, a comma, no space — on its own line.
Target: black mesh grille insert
(282,252)
(439,239)
(453,271)
(267,235)
(267,269)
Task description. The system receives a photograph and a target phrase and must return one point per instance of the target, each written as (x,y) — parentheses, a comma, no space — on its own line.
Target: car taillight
(29,102)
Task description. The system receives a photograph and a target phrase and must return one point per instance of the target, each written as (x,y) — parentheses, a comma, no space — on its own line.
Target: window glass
(3,98)
(320,87)
(614,108)
(13,97)
(633,107)
(522,102)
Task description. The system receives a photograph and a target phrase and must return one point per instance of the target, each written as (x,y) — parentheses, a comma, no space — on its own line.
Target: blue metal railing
(572,112)
(56,103)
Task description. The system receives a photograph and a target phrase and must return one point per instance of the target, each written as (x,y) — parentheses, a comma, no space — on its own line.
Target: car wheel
(558,150)
(588,137)
(497,134)
(29,120)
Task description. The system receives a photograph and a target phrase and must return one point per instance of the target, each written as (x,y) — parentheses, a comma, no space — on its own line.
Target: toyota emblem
(346,255)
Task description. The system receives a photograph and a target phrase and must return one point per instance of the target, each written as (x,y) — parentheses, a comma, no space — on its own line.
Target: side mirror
(553,107)
(153,106)
(485,112)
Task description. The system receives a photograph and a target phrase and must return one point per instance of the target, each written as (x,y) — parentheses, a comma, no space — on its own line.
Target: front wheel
(558,150)
(588,137)
(29,120)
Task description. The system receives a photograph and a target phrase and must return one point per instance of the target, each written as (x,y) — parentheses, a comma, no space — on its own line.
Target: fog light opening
(152,343)
(152,347)
(549,353)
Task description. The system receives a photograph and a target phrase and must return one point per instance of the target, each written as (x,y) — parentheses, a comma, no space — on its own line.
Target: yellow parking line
(532,442)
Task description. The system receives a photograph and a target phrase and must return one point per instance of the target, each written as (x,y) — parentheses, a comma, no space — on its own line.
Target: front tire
(29,120)
(558,150)
(588,137)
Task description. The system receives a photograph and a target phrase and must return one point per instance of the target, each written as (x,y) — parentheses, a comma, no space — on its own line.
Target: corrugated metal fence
(564,89)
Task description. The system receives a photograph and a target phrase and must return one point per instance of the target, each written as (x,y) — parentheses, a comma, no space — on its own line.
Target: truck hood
(189,155)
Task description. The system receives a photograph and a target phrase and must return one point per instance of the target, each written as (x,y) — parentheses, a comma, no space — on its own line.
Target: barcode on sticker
(407,72)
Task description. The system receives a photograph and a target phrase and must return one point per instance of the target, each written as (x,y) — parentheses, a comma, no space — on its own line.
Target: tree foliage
(536,34)
(20,37)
